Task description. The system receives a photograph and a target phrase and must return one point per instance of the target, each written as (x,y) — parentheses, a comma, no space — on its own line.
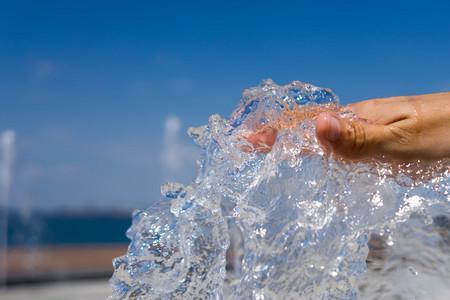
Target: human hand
(398,128)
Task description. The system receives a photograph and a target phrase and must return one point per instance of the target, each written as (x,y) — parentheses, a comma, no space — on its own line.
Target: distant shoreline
(60,262)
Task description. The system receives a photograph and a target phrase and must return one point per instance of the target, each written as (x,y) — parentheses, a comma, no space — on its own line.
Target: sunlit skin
(402,128)
(398,128)
(265,136)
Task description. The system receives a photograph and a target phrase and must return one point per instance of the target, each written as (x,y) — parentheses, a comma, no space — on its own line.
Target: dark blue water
(50,228)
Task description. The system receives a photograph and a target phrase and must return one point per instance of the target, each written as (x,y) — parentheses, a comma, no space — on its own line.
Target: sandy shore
(60,262)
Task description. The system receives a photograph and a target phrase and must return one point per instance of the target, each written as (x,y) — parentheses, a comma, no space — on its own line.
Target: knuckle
(358,138)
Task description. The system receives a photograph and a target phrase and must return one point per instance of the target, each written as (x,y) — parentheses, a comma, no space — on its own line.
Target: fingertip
(263,139)
(322,124)
(328,127)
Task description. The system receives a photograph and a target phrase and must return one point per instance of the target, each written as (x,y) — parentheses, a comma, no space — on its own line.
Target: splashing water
(303,218)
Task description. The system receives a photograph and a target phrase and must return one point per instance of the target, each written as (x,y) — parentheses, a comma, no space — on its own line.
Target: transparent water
(270,216)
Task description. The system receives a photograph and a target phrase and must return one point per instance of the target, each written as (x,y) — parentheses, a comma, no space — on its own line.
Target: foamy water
(299,220)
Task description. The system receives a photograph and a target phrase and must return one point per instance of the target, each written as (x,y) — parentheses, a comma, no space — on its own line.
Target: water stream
(7,155)
(271,216)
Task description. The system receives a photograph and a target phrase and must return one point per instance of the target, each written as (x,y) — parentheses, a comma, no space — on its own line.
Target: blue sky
(89,85)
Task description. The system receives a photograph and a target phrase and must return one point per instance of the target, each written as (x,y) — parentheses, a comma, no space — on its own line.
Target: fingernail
(334,132)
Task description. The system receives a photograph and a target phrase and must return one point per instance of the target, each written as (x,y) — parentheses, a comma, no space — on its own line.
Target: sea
(67,227)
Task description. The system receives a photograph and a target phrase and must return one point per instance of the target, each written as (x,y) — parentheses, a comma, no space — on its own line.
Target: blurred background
(96,97)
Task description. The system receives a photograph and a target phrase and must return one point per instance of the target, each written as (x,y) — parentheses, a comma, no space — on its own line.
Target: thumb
(352,139)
